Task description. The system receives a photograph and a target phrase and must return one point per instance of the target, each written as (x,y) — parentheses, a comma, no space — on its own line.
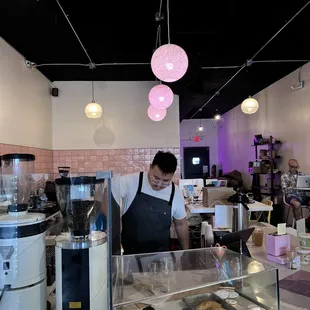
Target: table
(197,208)
(254,207)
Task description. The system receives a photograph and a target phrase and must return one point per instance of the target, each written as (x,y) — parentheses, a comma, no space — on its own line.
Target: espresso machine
(22,239)
(81,251)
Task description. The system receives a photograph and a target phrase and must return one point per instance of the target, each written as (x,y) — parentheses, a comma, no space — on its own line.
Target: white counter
(254,207)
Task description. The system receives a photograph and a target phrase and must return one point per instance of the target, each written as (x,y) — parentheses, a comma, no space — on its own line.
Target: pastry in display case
(199,279)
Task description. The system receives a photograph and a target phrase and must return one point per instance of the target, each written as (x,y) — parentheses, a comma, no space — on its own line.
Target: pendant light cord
(158,34)
(93,91)
(160,7)
(168,20)
(158,38)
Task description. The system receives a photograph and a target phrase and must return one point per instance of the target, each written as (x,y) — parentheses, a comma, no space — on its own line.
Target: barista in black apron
(146,224)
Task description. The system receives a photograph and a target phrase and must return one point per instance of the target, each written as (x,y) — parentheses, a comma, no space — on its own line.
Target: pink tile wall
(44,158)
(120,161)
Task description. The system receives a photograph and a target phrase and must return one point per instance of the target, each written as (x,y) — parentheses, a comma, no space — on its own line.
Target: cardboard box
(216,195)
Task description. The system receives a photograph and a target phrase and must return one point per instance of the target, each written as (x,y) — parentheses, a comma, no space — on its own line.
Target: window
(196,160)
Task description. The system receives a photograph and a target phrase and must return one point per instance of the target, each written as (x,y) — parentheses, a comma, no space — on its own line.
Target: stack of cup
(207,237)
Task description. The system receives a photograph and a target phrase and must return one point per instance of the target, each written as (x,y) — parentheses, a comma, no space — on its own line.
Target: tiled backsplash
(44,158)
(121,161)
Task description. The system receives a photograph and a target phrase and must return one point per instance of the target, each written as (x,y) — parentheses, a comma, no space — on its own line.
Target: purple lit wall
(283,113)
(234,144)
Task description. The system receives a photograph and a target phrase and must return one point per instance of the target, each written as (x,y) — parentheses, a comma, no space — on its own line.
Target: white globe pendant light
(93,109)
(249,106)
(218,120)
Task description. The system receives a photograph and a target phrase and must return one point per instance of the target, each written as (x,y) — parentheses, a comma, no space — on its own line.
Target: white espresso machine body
(81,274)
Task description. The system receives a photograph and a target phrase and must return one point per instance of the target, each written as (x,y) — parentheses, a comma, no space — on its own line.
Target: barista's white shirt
(125,188)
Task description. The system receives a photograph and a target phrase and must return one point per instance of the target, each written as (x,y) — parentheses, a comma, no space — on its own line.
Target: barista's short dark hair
(166,162)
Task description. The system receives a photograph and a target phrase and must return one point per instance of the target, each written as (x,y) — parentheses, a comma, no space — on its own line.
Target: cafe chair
(267,202)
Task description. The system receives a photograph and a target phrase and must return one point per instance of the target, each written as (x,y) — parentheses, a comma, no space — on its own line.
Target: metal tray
(193,301)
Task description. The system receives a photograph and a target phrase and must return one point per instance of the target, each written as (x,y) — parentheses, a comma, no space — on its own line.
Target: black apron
(146,224)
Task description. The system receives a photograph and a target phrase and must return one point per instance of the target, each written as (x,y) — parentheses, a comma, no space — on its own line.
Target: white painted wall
(124,123)
(25,102)
(283,113)
(188,129)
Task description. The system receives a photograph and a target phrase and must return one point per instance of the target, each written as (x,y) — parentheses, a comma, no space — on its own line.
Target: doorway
(196,162)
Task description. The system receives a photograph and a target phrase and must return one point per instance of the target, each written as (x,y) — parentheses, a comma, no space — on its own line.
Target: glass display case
(210,278)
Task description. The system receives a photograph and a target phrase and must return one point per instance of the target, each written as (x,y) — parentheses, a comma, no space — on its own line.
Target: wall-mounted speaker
(54,91)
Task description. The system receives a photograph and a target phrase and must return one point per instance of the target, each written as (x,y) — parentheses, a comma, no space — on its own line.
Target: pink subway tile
(105,158)
(117,163)
(135,157)
(121,161)
(93,164)
(116,157)
(99,165)
(74,164)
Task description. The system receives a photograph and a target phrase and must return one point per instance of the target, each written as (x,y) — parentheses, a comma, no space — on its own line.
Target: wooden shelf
(267,143)
(270,173)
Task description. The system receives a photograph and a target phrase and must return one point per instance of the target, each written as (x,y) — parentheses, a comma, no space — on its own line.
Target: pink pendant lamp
(169,63)
(156,115)
(161,96)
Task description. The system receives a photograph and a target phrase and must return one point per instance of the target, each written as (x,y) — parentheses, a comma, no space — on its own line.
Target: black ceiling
(213,33)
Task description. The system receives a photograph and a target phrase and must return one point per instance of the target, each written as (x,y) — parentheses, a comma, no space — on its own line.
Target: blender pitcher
(2,192)
(17,179)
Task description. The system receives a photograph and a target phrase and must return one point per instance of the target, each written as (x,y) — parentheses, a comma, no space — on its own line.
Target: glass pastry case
(209,278)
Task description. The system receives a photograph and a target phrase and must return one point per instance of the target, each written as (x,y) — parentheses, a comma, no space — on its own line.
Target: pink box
(277,245)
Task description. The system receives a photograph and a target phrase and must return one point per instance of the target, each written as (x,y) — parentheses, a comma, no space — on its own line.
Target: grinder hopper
(80,201)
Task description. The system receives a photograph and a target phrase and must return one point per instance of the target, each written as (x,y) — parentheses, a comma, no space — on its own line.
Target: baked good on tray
(209,305)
